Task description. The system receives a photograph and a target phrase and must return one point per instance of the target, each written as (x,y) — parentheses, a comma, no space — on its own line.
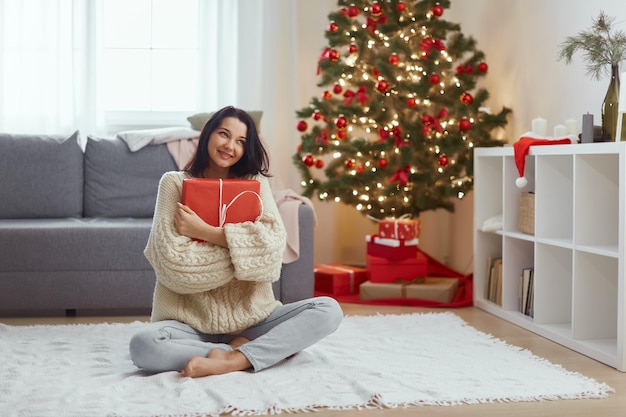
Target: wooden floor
(614,405)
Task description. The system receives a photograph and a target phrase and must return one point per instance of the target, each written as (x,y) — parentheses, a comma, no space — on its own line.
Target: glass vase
(609,107)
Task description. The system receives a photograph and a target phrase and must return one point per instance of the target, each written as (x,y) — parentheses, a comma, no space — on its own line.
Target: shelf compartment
(596,199)
(554,197)
(512,192)
(488,193)
(490,247)
(553,287)
(517,255)
(595,296)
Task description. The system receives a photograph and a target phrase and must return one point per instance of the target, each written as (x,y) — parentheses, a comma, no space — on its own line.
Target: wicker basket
(526,219)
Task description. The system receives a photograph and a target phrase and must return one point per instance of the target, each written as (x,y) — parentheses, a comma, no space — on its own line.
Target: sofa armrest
(296,278)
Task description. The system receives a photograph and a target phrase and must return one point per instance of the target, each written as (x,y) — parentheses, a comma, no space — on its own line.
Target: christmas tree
(393,132)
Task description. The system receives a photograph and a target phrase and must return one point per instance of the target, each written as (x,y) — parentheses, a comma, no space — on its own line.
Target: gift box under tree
(435,289)
(401,228)
(339,279)
(386,270)
(392,249)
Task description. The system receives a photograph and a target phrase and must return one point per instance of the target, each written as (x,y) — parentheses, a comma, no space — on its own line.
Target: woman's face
(226,147)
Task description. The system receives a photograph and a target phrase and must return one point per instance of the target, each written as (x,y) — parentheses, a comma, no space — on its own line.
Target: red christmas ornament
(353,11)
(341,123)
(333,27)
(360,169)
(375,72)
(308,160)
(343,11)
(319,164)
(376,9)
(483,67)
(465,125)
(393,59)
(466,98)
(341,134)
(410,102)
(401,6)
(333,55)
(327,95)
(382,86)
(437,10)
(317,115)
(352,48)
(383,133)
(337,88)
(382,162)
(460,69)
(469,69)
(350,163)
(434,79)
(302,126)
(443,161)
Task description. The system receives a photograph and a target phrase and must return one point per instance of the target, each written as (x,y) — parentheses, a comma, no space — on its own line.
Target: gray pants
(168,345)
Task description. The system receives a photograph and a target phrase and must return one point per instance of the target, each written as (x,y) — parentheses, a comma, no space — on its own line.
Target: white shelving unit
(577,251)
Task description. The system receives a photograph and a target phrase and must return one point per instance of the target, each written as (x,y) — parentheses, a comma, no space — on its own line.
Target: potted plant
(603,49)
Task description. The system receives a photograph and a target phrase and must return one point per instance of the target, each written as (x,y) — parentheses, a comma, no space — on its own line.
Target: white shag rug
(369,362)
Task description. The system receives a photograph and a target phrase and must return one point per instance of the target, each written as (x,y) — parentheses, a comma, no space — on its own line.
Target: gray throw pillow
(42,176)
(121,183)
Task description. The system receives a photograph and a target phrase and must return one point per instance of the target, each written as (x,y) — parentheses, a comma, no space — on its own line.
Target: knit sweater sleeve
(181,264)
(256,248)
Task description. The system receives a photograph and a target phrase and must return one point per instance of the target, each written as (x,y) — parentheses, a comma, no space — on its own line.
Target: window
(150,57)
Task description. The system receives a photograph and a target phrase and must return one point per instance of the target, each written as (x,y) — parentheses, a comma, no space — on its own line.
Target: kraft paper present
(435,289)
(339,279)
(222,201)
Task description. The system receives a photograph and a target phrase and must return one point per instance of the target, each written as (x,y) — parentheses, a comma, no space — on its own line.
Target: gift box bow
(405,283)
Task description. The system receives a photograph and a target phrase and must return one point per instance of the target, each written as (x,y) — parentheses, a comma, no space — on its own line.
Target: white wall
(520,39)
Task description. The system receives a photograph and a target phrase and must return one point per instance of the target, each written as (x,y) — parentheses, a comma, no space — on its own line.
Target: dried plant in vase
(603,48)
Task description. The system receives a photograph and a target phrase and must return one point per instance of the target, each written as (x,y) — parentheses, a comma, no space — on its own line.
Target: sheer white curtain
(44,63)
(51,72)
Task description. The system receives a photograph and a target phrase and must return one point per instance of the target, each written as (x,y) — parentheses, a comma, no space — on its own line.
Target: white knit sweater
(214,289)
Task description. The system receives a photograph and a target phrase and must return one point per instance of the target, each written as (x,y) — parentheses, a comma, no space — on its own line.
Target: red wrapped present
(220,201)
(385,270)
(435,289)
(392,249)
(339,279)
(401,228)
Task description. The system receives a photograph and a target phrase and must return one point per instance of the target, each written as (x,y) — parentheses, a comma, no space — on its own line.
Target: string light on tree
(400,109)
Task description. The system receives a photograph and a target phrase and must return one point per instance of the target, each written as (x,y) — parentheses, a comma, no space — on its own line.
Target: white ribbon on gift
(224,207)
(395,221)
(340,269)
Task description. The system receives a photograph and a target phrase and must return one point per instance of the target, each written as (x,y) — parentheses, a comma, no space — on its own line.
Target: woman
(214,310)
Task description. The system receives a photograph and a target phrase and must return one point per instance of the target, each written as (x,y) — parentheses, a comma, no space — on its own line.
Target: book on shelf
(526,291)
(493,283)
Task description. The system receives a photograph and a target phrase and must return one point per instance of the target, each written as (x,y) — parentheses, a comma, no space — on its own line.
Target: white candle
(560,131)
(572,126)
(540,126)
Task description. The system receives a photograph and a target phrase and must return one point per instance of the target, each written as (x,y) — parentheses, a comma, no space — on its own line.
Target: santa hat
(521,147)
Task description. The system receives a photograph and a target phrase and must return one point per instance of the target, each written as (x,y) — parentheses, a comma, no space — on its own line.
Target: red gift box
(220,201)
(385,270)
(339,279)
(392,249)
(404,229)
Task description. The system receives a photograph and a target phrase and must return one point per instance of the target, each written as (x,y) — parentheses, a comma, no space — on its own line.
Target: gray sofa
(74,221)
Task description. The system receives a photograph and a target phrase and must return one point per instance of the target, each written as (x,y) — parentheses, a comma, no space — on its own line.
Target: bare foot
(238,341)
(216,363)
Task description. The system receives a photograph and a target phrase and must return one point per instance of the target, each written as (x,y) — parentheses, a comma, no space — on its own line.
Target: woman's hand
(188,223)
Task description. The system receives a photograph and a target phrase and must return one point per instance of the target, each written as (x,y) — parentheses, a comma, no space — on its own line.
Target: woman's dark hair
(254,160)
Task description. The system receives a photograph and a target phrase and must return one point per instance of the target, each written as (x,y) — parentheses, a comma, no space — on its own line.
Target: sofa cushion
(42,176)
(121,183)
